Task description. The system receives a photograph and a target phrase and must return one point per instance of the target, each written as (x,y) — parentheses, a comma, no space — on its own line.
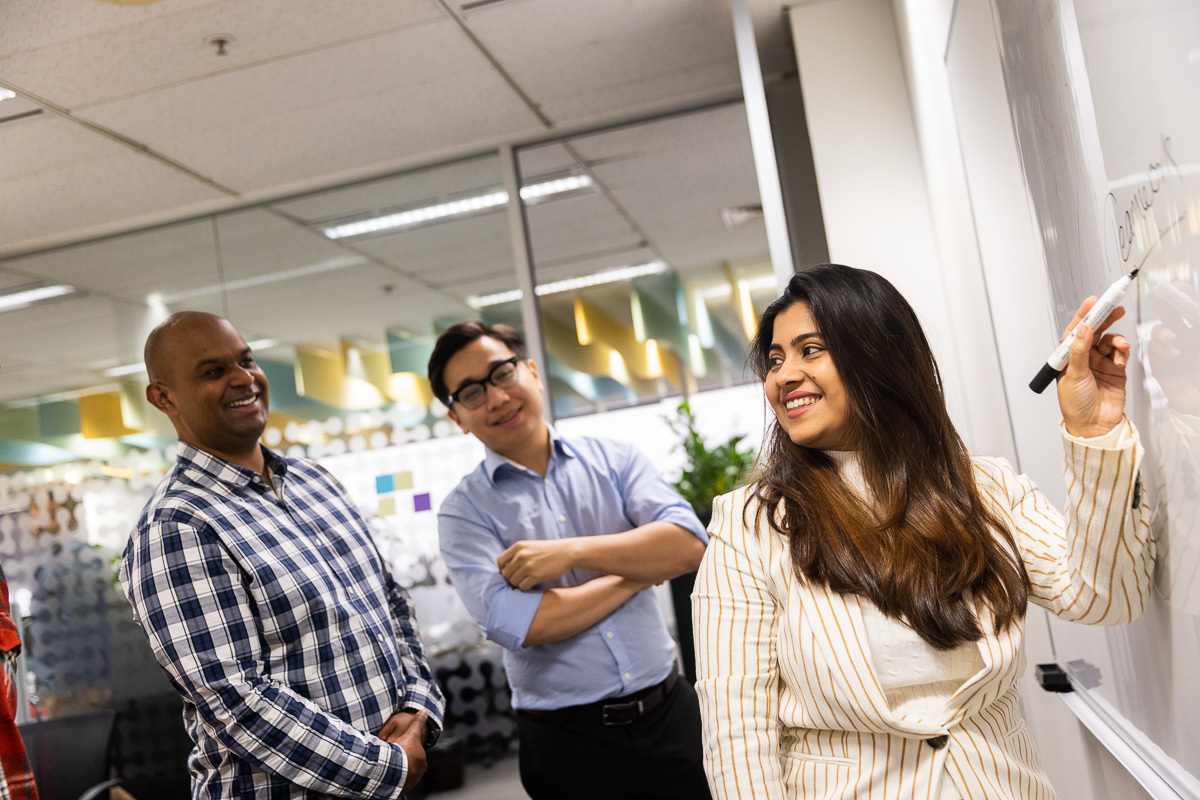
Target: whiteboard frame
(1161,776)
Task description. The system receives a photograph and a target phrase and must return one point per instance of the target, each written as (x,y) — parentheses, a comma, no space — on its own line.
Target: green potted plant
(708,472)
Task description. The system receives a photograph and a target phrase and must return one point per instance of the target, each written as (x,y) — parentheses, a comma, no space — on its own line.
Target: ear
(159,396)
(533,371)
(457,421)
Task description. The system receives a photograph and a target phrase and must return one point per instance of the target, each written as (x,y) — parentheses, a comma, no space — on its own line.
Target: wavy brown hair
(930,550)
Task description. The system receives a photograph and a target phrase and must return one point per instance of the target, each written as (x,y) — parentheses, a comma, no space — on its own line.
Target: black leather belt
(614,710)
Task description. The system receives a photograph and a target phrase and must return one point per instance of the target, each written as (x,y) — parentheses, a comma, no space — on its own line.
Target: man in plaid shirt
(265,599)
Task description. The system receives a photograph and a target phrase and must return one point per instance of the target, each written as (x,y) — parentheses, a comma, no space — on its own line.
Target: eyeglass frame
(514,362)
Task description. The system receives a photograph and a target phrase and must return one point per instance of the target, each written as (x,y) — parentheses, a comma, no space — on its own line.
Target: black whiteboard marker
(1104,306)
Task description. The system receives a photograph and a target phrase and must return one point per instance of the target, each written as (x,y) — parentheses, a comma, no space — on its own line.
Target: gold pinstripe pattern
(790,704)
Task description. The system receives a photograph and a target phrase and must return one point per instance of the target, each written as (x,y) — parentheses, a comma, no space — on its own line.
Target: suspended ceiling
(142,122)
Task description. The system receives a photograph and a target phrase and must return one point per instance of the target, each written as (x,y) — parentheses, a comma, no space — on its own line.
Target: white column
(873,192)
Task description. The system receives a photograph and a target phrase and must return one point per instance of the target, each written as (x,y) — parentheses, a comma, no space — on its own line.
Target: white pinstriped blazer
(791,707)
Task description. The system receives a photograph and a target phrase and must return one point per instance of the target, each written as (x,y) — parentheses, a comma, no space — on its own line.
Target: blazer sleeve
(734,618)
(1095,564)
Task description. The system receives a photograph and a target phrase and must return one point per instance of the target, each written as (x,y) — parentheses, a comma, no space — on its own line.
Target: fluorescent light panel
(455,208)
(571,284)
(23,298)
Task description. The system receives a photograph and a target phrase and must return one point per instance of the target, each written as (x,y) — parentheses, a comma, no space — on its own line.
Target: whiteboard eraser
(1053,679)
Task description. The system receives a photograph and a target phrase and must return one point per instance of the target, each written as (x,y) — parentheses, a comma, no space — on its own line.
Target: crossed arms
(631,561)
(501,573)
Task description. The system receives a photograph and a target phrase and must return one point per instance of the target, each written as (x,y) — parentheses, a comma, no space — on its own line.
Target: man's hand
(533,561)
(396,725)
(408,730)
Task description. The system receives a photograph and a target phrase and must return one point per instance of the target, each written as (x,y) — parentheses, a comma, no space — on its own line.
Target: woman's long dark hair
(929,549)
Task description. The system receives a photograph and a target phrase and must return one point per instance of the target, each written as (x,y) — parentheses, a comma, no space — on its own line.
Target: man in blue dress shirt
(265,599)
(553,544)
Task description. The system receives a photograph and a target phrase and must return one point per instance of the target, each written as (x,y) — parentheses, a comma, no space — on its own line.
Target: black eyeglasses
(473,394)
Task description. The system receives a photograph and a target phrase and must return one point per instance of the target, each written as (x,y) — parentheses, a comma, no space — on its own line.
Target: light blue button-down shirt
(592,487)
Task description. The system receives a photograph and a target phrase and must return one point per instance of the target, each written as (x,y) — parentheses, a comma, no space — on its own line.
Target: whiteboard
(1105,104)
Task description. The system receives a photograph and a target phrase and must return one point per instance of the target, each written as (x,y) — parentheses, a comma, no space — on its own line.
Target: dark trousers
(656,757)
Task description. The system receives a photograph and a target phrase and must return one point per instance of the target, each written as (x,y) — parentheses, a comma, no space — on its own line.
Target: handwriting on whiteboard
(1135,226)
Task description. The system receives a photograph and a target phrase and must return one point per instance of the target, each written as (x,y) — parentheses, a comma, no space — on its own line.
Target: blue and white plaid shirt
(277,620)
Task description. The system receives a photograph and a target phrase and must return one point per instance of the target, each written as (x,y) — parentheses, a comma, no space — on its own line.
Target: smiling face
(212,389)
(803,386)
(510,421)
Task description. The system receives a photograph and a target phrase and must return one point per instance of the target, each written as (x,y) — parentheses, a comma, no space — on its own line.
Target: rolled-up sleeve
(647,495)
(470,547)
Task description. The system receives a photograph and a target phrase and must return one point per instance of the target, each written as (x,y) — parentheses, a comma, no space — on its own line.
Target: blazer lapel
(837,622)
(1001,654)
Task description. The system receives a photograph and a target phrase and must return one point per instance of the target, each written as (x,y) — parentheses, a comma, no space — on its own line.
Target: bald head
(158,350)
(205,379)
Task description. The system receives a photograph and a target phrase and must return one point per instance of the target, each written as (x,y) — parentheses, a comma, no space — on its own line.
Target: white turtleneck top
(917,679)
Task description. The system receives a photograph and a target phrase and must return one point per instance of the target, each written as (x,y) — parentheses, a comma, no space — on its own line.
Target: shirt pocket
(816,758)
(812,775)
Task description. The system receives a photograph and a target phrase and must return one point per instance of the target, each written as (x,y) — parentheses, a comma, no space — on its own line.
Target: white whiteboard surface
(1105,105)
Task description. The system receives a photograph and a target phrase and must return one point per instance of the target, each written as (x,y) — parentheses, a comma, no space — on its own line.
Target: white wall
(876,206)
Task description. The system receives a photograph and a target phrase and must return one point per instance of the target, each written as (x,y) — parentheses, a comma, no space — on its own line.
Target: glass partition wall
(648,263)
(649,269)
(649,259)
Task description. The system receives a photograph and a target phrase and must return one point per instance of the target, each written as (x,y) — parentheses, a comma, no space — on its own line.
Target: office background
(344,180)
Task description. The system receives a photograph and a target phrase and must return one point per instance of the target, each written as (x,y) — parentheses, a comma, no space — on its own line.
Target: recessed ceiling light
(6,94)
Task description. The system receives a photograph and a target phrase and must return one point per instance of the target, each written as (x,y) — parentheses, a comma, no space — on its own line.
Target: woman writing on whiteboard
(859,611)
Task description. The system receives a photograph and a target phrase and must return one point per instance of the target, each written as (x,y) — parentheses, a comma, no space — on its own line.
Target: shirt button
(937,742)
(562,517)
(627,676)
(609,634)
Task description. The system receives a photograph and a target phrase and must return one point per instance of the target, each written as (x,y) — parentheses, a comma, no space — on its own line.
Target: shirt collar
(190,456)
(493,461)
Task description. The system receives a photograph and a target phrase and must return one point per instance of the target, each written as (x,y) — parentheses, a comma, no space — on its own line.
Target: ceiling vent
(737,216)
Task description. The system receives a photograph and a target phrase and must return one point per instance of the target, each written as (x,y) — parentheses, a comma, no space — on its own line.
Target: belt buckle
(621,713)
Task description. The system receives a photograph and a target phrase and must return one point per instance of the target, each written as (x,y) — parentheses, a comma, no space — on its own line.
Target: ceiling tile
(168,259)
(583,54)
(481,243)
(119,186)
(683,87)
(46,143)
(674,176)
(358,71)
(565,229)
(32,24)
(169,49)
(63,337)
(260,152)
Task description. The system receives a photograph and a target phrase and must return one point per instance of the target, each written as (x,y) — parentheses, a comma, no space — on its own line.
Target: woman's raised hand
(1091,390)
